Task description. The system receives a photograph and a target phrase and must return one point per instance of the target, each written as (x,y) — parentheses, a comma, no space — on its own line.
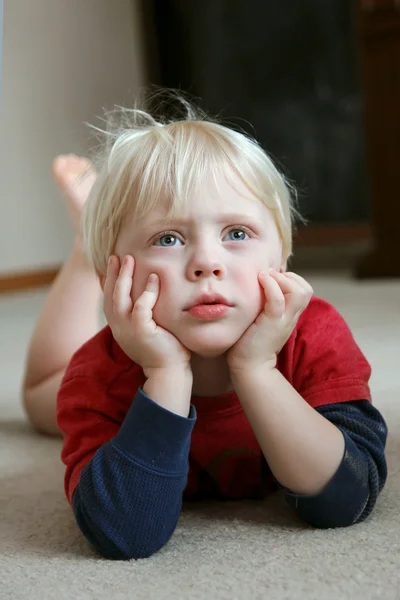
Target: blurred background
(317,83)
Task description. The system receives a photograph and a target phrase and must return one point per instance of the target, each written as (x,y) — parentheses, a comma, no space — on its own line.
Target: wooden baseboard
(27,280)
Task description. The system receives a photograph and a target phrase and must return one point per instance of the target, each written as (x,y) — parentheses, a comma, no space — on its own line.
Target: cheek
(140,277)
(250,288)
(142,272)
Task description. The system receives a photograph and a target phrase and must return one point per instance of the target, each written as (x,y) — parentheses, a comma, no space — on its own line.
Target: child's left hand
(287,295)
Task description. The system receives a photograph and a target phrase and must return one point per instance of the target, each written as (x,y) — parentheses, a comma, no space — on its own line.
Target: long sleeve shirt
(131,463)
(140,480)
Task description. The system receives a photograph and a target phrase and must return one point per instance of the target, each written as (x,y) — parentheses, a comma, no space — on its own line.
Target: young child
(219,374)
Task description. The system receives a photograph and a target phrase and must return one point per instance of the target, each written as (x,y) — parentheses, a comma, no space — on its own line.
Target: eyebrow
(232,217)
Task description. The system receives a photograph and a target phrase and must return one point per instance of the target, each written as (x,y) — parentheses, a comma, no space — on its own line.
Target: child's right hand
(146,343)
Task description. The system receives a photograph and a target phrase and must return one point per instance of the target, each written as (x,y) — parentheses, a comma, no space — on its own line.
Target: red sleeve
(93,400)
(328,365)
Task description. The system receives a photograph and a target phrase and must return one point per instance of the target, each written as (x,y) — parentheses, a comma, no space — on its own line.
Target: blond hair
(145,159)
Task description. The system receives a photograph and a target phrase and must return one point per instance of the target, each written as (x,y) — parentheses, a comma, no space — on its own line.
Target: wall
(63,61)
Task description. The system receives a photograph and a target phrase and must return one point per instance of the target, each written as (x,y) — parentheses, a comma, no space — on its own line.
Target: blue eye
(167,240)
(237,237)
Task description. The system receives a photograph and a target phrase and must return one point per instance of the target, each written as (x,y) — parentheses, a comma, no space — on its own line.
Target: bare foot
(75,175)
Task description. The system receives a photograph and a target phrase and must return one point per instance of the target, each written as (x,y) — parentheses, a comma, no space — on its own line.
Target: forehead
(218,199)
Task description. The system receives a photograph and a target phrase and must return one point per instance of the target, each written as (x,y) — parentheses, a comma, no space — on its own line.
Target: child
(219,374)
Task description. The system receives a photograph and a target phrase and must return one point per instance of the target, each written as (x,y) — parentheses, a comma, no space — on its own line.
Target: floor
(224,551)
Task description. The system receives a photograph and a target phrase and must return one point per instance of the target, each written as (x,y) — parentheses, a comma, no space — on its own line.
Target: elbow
(113,539)
(331,519)
(349,497)
(132,548)
(330,513)
(128,553)
(124,512)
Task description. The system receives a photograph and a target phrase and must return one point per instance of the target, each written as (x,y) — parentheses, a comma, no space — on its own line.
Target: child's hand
(133,326)
(287,295)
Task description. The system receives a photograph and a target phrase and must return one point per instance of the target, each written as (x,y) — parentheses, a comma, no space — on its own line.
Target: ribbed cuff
(154,436)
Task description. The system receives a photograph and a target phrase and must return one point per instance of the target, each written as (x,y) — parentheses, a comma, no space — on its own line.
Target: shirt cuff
(154,436)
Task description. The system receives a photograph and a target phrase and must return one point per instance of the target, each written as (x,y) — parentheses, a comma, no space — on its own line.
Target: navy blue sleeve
(129,496)
(352,492)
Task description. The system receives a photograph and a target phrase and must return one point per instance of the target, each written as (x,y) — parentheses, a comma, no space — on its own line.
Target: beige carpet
(255,550)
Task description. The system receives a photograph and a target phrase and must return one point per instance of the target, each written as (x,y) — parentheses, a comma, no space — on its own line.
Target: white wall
(63,61)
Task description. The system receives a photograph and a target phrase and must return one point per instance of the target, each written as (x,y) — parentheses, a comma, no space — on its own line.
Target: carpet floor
(227,551)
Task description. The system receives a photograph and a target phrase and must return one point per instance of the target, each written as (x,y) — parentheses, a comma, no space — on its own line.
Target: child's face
(219,247)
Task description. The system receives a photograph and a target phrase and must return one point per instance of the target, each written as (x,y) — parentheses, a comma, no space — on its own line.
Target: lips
(208,299)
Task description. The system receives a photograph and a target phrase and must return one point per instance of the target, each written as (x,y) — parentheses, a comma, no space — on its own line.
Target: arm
(129,496)
(302,448)
(306,451)
(126,485)
(126,462)
(352,493)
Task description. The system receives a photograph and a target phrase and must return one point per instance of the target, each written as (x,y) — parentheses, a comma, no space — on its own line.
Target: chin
(209,348)
(209,352)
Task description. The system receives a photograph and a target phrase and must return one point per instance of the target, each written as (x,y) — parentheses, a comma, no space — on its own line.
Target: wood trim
(325,235)
(379,49)
(378,18)
(27,280)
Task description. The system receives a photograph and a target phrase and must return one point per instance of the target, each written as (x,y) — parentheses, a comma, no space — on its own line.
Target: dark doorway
(288,74)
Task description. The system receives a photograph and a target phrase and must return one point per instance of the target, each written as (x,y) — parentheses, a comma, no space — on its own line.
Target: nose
(203,265)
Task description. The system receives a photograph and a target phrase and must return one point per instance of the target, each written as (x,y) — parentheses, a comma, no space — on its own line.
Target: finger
(300,280)
(122,301)
(306,288)
(143,307)
(287,284)
(275,300)
(109,284)
(297,293)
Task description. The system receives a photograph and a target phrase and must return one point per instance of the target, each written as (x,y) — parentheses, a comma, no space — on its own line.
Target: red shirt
(321,360)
